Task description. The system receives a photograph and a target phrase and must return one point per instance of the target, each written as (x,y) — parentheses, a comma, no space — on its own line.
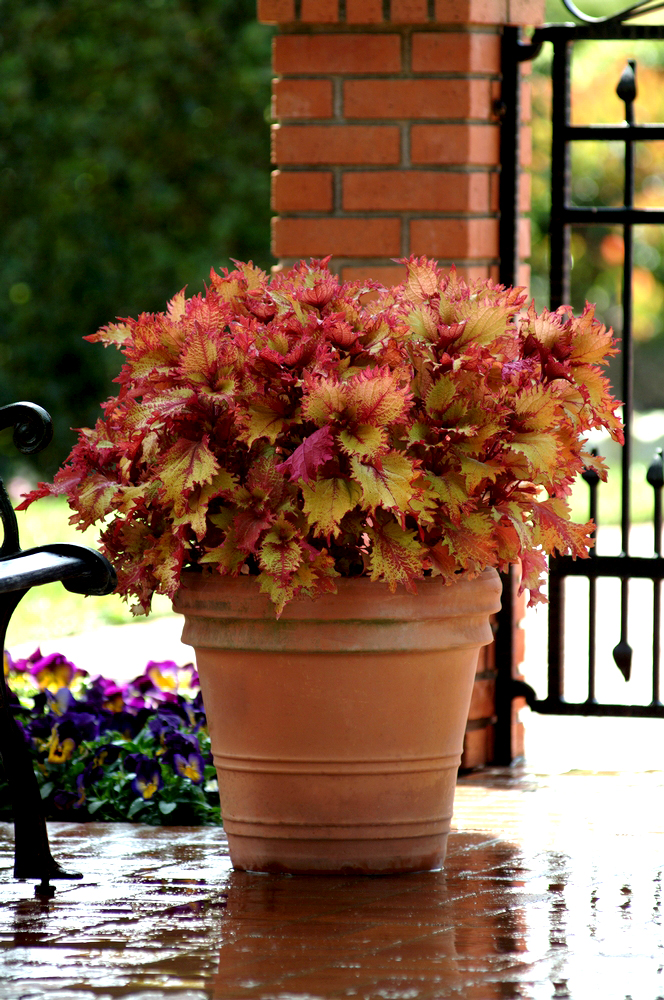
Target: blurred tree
(597,179)
(134,155)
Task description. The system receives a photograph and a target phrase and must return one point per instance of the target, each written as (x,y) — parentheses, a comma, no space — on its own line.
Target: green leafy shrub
(134,150)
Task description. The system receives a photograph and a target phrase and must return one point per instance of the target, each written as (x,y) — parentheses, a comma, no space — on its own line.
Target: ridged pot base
(337,760)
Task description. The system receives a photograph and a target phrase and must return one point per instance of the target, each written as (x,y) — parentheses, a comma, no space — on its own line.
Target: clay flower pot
(337,729)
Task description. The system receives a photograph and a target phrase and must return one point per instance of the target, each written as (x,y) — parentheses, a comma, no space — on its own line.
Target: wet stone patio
(552,888)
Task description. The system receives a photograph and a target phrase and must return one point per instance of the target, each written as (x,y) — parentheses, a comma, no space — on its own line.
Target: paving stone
(552,888)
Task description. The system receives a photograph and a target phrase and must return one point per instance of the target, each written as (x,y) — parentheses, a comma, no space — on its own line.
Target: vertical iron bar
(510,107)
(592,479)
(556,686)
(559,265)
(509,264)
(655,476)
(559,237)
(626,91)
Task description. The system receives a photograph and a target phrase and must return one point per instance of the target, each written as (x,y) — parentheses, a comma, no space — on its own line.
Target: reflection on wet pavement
(552,888)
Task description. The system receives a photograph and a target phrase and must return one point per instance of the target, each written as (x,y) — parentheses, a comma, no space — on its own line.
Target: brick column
(387,143)
(387,134)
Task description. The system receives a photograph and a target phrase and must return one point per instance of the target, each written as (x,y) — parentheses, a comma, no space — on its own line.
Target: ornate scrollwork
(33,430)
(33,427)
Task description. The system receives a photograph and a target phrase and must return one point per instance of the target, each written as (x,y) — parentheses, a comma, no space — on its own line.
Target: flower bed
(135,752)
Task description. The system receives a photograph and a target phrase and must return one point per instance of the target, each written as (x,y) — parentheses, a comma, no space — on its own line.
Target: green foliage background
(134,155)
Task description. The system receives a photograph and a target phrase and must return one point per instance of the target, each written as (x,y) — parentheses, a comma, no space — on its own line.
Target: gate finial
(626,89)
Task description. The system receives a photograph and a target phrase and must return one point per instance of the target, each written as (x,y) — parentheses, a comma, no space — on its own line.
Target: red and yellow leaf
(184,465)
(396,556)
(326,501)
(388,484)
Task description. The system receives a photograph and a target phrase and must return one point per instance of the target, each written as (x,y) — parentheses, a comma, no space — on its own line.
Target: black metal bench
(82,571)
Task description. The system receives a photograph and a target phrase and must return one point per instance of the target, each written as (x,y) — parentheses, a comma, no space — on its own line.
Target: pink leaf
(310,455)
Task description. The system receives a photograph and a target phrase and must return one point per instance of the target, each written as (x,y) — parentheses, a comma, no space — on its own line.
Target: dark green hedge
(134,155)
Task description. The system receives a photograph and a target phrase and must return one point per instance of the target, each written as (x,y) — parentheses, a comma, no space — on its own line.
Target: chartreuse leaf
(200,356)
(131,497)
(476,472)
(115,335)
(279,593)
(542,450)
(363,440)
(281,552)
(327,500)
(450,491)
(191,509)
(388,485)
(554,530)
(483,324)
(440,395)
(186,464)
(177,307)
(262,420)
(424,322)
(227,557)
(95,497)
(166,557)
(375,397)
(396,556)
(322,399)
(423,277)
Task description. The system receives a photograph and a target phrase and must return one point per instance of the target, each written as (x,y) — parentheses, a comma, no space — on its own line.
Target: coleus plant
(297,429)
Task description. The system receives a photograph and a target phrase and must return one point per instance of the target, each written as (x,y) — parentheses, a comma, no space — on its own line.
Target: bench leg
(32,853)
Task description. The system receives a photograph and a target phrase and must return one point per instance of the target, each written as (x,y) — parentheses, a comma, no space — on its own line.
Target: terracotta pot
(337,730)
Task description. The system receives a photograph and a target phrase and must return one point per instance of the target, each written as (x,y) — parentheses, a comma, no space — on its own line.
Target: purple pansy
(148,778)
(191,767)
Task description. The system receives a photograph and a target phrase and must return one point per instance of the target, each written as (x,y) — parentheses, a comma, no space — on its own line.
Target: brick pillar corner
(386,136)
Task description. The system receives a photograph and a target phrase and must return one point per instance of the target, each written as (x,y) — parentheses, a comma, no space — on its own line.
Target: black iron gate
(564,215)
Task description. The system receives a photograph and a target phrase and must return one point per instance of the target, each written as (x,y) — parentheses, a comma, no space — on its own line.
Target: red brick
(276,11)
(454,239)
(477,748)
(476,145)
(302,191)
(518,647)
(525,12)
(496,92)
(320,11)
(388,275)
(409,11)
(455,52)
(471,11)
(524,275)
(483,271)
(526,101)
(302,98)
(526,146)
(349,53)
(340,237)
(364,11)
(415,190)
(518,737)
(524,237)
(483,701)
(345,144)
(417,99)
(494,195)
(525,186)
(520,605)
